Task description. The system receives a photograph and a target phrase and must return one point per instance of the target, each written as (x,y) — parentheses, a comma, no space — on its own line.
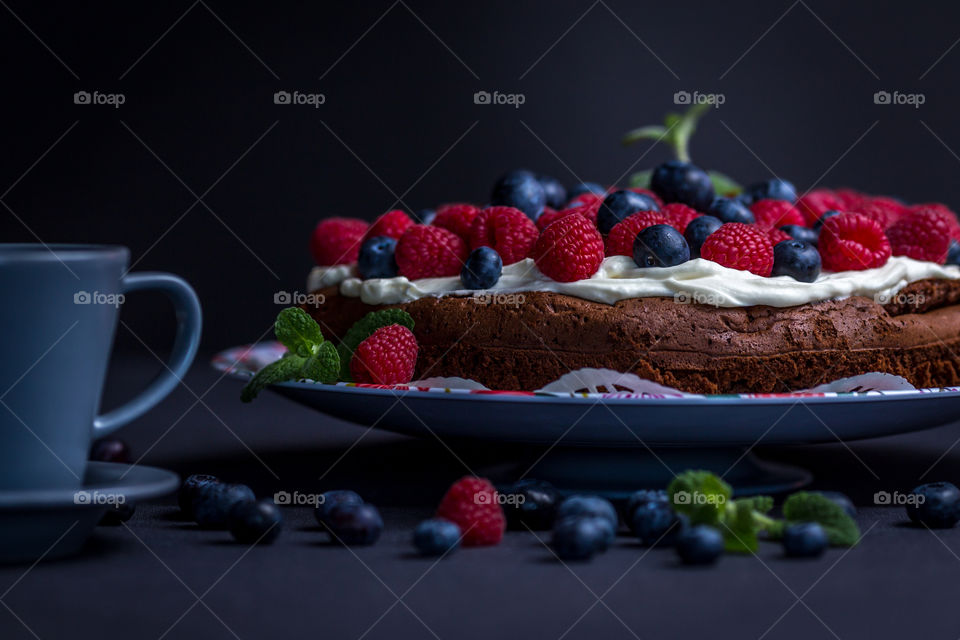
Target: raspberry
(337,240)
(921,235)
(430,252)
(849,198)
(776,236)
(585,198)
(816,203)
(879,210)
(649,194)
(471,503)
(456,218)
(552,216)
(740,246)
(771,214)
(852,242)
(388,356)
(569,249)
(620,239)
(679,215)
(949,216)
(392,224)
(509,231)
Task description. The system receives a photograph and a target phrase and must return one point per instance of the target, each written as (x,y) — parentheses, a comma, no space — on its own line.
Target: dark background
(400,123)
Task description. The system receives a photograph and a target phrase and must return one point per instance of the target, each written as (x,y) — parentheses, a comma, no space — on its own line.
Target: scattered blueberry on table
(656,523)
(804,540)
(189,489)
(331,499)
(579,537)
(534,505)
(251,522)
(936,505)
(354,524)
(212,503)
(436,536)
(699,545)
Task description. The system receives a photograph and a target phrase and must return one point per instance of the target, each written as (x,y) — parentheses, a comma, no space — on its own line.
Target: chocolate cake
(693,347)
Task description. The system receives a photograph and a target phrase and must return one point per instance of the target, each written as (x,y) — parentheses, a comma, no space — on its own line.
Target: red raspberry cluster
(856,231)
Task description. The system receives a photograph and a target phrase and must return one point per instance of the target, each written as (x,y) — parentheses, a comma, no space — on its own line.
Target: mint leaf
(286,368)
(324,366)
(724,185)
(298,332)
(641,179)
(676,131)
(802,506)
(363,328)
(700,495)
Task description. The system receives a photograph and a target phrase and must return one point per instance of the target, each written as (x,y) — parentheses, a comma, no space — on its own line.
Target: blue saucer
(52,523)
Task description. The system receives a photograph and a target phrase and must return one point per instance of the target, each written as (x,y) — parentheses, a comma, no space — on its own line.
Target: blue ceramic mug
(58,313)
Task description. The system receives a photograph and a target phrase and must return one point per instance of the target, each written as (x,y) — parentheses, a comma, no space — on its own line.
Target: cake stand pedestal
(616,473)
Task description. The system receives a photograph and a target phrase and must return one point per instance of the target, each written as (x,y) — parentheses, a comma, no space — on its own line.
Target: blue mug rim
(59,252)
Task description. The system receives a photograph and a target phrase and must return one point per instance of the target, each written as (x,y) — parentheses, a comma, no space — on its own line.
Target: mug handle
(189,322)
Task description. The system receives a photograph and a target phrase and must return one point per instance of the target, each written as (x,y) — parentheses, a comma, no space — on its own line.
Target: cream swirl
(619,278)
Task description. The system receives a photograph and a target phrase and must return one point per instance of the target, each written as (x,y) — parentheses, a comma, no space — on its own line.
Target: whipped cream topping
(619,278)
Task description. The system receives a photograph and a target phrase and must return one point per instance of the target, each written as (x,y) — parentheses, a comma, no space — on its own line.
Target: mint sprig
(676,131)
(308,354)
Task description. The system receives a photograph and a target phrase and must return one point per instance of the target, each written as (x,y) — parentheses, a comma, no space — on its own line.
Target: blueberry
(840,500)
(799,260)
(701,544)
(535,505)
(804,540)
(804,234)
(621,204)
(376,258)
(213,502)
(823,218)
(520,189)
(772,189)
(259,522)
(355,524)
(730,210)
(436,537)
(482,269)
(936,505)
(660,245)
(580,537)
(697,232)
(677,181)
(655,522)
(331,499)
(643,496)
(953,253)
(583,505)
(117,514)
(554,191)
(585,187)
(426,216)
(189,489)
(110,450)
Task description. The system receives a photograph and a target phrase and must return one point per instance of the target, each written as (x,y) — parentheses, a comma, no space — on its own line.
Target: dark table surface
(160,577)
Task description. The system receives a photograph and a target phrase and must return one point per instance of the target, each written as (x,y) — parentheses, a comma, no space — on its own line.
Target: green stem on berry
(676,131)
